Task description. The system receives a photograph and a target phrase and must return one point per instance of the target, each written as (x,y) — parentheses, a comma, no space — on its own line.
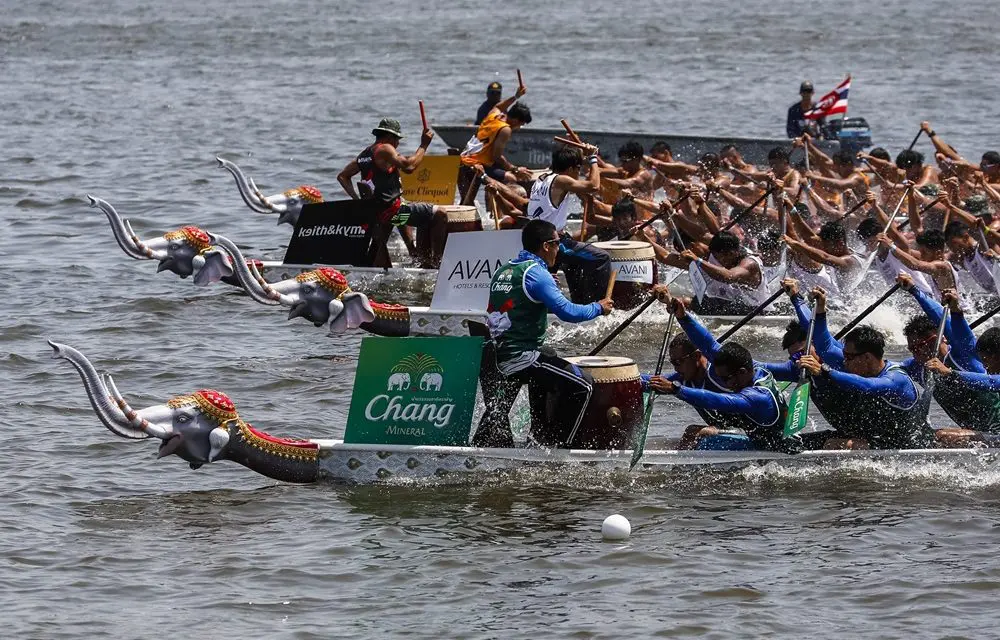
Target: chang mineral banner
(470,260)
(433,181)
(414,391)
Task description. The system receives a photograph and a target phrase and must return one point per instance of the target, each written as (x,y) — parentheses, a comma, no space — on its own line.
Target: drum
(460,218)
(614,415)
(635,265)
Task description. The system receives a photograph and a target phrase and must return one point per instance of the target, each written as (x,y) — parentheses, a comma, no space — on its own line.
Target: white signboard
(470,260)
(698,282)
(633,271)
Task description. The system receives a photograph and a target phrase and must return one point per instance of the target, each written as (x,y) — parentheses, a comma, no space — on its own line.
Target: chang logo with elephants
(414,391)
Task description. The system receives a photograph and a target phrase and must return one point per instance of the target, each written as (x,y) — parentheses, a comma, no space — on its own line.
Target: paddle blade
(798,410)
(640,440)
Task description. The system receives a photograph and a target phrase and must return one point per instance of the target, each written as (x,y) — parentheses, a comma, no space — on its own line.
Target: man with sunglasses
(880,404)
(744,395)
(522,293)
(630,174)
(968,407)
(988,382)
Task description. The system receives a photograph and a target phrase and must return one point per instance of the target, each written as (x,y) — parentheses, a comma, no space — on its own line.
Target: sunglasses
(552,241)
(676,362)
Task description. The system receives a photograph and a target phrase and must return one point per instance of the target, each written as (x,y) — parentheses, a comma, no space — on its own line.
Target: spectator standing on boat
(494,93)
(522,293)
(379,166)
(797,123)
(587,268)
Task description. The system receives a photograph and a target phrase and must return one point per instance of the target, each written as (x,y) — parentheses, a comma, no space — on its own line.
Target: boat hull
(365,464)
(533,147)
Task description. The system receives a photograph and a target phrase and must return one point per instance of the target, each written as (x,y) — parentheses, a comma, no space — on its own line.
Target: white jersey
(981,269)
(848,279)
(936,290)
(540,205)
(809,280)
(891,267)
(752,296)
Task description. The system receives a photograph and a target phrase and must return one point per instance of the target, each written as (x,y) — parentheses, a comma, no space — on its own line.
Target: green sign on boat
(414,391)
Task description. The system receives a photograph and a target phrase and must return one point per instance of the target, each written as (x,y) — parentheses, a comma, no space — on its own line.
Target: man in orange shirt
(487,146)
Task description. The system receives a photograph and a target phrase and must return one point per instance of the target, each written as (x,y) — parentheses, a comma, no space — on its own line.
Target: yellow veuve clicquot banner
(433,181)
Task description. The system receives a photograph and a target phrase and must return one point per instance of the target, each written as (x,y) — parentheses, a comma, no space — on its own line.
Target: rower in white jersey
(885,262)
(973,257)
(734,278)
(928,257)
(587,268)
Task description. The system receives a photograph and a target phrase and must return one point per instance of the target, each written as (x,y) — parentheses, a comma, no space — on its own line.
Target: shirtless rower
(630,174)
(928,258)
(828,247)
(379,166)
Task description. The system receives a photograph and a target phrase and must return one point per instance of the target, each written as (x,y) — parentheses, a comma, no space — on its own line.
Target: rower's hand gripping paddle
(798,402)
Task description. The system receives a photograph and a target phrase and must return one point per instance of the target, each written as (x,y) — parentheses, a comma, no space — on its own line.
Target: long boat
(204,427)
(532,147)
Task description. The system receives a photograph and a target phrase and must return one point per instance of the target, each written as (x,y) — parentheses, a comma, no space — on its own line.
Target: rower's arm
(822,204)
(963,343)
(841,262)
(510,196)
(837,183)
(802,312)
(345,178)
(894,233)
(672,169)
(540,286)
(911,262)
(830,351)
(740,274)
(894,385)
(580,187)
(934,311)
(783,371)
(913,213)
(941,146)
(980,381)
(701,338)
(754,402)
(816,154)
(386,154)
(803,230)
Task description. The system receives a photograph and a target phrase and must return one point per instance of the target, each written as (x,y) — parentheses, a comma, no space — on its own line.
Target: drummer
(587,268)
(486,148)
(522,293)
(379,166)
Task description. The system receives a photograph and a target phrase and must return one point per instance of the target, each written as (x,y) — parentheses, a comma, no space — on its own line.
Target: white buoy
(616,527)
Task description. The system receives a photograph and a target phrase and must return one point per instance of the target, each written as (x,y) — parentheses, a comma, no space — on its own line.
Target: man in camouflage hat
(379,166)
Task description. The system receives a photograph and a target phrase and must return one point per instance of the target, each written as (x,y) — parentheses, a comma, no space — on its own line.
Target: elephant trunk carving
(255,201)
(200,428)
(126,237)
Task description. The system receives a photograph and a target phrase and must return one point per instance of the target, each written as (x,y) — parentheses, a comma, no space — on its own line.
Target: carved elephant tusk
(137,421)
(243,185)
(122,231)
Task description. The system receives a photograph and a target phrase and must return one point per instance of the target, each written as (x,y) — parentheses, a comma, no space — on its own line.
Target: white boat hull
(364,464)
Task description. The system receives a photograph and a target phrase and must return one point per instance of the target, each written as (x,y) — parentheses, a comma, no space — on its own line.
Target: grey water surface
(131,101)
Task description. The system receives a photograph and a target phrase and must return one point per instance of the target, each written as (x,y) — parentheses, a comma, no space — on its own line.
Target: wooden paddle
(423,114)
(915,138)
(571,143)
(750,316)
(733,222)
(684,196)
(640,442)
(798,402)
(611,284)
(491,203)
(983,318)
(520,80)
(864,314)
(617,330)
(570,132)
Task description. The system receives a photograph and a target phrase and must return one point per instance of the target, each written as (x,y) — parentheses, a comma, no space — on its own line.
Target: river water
(131,101)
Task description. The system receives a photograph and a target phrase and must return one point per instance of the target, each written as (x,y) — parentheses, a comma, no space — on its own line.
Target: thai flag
(832,104)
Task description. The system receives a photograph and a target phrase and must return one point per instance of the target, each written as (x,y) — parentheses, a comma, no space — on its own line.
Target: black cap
(494,87)
(806,87)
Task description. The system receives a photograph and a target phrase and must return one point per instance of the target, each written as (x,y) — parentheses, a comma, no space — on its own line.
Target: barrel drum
(460,218)
(614,415)
(634,264)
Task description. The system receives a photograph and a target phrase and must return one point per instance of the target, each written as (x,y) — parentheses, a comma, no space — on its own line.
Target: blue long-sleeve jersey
(961,340)
(541,287)
(891,384)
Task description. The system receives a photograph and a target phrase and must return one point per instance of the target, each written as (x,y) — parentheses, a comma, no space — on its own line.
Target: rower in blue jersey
(970,408)
(878,404)
(744,397)
(988,352)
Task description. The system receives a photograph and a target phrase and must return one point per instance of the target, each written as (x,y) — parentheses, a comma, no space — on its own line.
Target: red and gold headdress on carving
(211,402)
(307,192)
(330,279)
(197,238)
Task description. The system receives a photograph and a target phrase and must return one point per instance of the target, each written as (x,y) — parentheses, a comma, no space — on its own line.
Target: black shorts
(414,214)
(496,172)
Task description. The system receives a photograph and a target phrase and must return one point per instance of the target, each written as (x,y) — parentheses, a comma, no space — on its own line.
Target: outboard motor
(854,134)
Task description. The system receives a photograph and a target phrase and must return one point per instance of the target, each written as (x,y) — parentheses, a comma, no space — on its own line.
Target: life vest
(890,267)
(981,269)
(809,280)
(968,408)
(882,423)
(516,323)
(383,185)
(479,148)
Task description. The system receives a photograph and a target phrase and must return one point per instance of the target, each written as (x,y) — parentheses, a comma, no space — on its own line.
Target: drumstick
(570,143)
(520,80)
(569,131)
(587,203)
(423,115)
(491,201)
(611,284)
